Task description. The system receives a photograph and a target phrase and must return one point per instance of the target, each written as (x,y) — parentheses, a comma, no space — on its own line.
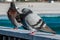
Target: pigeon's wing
(39,24)
(18,19)
(29,26)
(48,29)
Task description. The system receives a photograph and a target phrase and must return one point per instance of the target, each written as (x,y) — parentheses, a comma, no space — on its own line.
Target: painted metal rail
(7,33)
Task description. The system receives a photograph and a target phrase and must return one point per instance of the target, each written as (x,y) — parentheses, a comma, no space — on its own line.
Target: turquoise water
(52,21)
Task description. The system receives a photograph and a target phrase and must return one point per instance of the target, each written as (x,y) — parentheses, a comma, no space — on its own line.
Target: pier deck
(25,34)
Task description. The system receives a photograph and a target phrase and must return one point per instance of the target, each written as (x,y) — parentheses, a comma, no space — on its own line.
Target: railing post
(18,39)
(14,38)
(4,38)
(8,38)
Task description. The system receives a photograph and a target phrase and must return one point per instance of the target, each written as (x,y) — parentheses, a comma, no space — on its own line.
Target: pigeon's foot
(32,33)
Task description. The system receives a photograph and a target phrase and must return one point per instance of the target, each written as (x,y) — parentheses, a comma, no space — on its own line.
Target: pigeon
(12,13)
(33,22)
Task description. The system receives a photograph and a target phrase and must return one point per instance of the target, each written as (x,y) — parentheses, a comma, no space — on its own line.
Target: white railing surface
(36,7)
(25,34)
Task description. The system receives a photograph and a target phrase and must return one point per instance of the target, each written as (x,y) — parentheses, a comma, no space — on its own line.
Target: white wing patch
(44,25)
(38,25)
(32,18)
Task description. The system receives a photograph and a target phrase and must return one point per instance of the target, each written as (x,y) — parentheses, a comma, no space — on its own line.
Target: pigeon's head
(12,5)
(25,11)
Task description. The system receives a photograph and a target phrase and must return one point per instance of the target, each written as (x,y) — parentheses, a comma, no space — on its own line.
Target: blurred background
(30,0)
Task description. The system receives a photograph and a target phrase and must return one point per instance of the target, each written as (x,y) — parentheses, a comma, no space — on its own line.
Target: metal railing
(10,34)
(4,37)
